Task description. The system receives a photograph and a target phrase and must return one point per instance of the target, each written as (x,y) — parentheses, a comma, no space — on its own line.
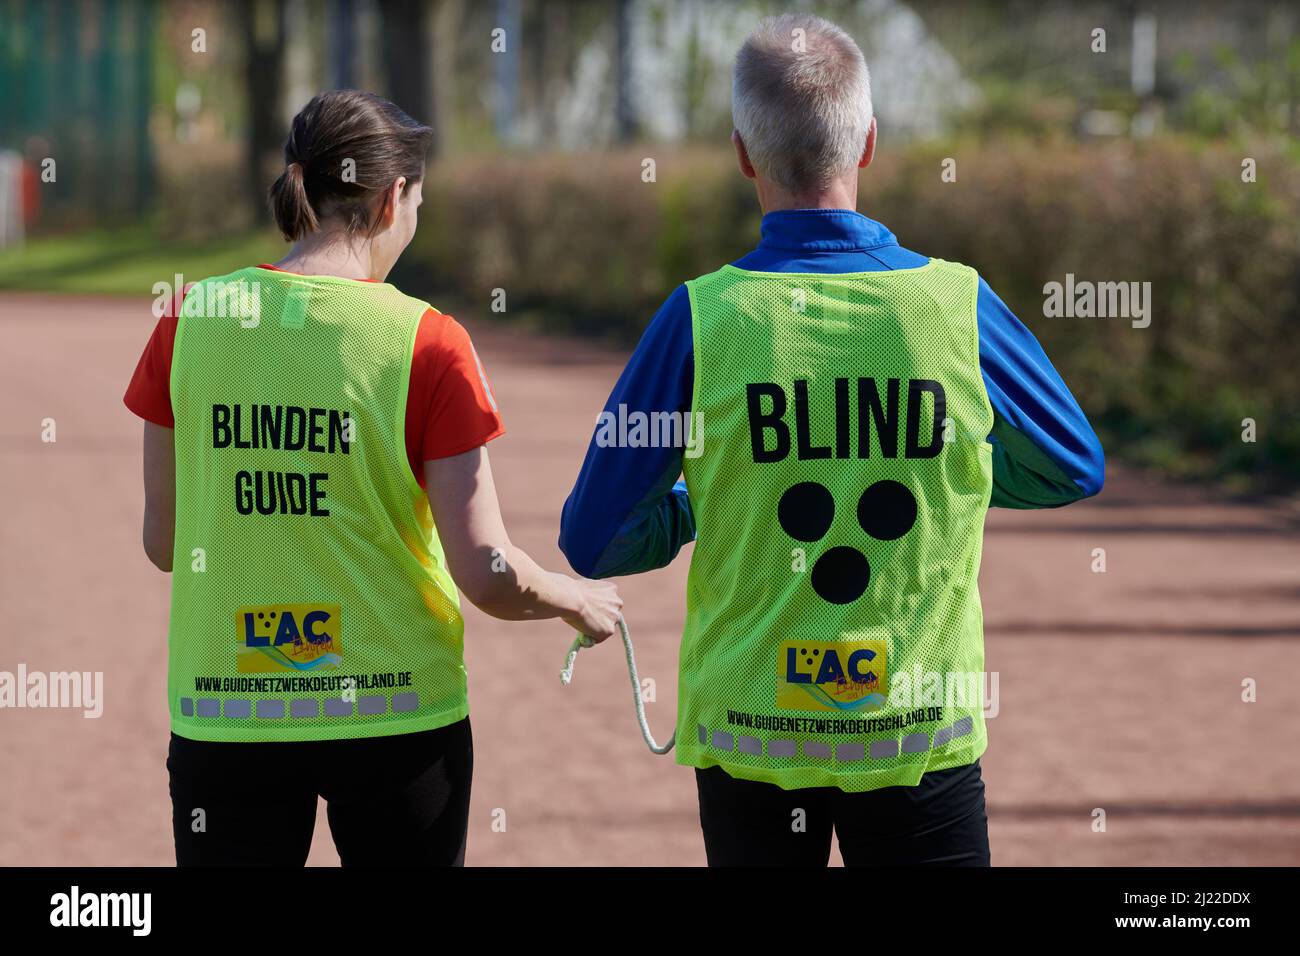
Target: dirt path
(1119,691)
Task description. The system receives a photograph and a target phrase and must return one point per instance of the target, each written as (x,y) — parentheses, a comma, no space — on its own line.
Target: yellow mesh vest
(310,598)
(833,634)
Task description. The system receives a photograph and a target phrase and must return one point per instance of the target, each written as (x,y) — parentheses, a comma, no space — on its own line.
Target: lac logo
(288,637)
(831,675)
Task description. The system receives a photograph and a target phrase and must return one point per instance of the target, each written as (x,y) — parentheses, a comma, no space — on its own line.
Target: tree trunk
(407,60)
(263,22)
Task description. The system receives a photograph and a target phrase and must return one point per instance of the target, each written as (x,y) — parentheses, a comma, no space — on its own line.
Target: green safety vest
(839,480)
(310,597)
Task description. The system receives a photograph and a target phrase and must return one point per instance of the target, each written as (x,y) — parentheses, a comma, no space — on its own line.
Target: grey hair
(801,101)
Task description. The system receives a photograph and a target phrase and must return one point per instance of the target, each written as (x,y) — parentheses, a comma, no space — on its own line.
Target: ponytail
(290,205)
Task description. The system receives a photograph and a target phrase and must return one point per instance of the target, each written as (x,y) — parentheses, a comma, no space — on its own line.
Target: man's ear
(742,155)
(869,151)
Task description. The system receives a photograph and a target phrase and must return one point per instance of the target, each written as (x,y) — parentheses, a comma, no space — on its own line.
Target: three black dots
(886,511)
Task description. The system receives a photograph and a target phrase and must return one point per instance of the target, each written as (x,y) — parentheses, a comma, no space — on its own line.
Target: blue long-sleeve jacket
(628,512)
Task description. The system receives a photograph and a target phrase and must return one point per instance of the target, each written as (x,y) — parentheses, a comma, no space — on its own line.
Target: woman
(316,471)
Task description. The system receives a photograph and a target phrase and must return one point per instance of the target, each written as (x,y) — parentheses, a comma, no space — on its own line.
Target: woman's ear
(392,196)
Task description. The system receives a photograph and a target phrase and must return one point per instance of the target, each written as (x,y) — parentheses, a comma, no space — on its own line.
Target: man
(856,408)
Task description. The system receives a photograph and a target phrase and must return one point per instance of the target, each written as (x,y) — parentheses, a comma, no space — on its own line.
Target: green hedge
(581,243)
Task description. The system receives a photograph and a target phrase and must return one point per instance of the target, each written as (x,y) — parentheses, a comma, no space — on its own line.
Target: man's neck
(839,195)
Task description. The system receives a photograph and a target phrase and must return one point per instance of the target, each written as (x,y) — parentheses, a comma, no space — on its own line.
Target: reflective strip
(309,708)
(482,377)
(916,743)
(847,751)
(881,749)
(850,751)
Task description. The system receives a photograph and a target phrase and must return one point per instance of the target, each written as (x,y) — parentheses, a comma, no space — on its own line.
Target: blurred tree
(341,60)
(264,29)
(626,112)
(408,62)
(509,19)
(444,28)
(1249,96)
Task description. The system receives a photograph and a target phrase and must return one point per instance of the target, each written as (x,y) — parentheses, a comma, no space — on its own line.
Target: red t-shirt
(450,407)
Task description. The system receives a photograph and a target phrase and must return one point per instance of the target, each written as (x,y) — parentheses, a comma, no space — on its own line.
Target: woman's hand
(598,606)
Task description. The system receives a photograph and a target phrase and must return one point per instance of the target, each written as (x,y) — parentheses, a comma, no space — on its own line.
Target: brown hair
(345,148)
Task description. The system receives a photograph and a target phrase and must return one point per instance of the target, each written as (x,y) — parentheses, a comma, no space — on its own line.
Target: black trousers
(939,822)
(401,800)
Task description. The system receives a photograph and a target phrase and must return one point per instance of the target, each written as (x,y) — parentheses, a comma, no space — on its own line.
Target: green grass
(127,261)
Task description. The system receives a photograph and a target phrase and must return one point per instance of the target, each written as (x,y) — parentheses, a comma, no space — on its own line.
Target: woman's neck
(329,255)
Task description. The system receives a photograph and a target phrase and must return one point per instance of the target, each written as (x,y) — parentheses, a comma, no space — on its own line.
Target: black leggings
(401,800)
(939,822)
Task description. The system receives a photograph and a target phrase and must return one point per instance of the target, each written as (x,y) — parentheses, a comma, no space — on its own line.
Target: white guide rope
(566,675)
